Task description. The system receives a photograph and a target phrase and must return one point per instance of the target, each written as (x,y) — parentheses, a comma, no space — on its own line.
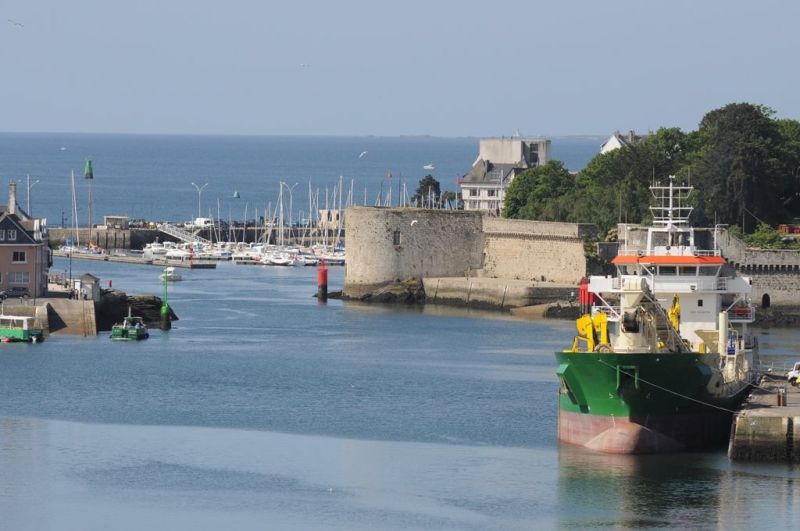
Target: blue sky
(349,67)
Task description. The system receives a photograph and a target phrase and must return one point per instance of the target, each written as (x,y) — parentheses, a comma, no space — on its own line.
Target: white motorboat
(170,274)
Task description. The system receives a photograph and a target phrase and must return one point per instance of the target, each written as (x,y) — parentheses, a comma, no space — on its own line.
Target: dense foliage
(743,163)
(428,193)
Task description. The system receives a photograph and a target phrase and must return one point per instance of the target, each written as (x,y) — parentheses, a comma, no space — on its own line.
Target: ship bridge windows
(667,270)
(709,271)
(688,270)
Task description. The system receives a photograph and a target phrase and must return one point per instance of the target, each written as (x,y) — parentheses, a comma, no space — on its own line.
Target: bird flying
(362,155)
(15,23)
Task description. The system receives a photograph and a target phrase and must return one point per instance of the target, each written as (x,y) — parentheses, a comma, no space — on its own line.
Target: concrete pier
(127,259)
(765,431)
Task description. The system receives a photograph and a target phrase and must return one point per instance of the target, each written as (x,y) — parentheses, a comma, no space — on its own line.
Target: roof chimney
(12,197)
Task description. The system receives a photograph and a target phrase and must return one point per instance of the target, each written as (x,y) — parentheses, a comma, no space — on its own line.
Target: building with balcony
(499,161)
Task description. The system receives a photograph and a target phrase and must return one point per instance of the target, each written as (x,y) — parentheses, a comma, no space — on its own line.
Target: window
(473,192)
(492,193)
(396,238)
(18,277)
(19,257)
(699,303)
(12,235)
(2,235)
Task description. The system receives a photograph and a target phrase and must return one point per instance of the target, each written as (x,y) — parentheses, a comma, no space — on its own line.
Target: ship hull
(630,403)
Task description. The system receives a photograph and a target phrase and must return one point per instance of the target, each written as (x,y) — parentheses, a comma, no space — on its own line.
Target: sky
(347,67)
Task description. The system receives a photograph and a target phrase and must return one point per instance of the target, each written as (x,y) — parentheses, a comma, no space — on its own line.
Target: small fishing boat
(170,274)
(132,328)
(15,328)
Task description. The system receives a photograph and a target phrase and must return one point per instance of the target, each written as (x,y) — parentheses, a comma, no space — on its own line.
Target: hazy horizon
(357,68)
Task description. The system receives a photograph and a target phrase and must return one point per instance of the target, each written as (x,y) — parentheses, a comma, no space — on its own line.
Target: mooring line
(665,389)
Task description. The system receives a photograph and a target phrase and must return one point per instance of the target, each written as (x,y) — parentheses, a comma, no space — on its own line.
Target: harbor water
(264,409)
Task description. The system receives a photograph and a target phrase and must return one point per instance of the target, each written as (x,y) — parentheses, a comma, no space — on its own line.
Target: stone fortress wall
(393,244)
(468,253)
(534,250)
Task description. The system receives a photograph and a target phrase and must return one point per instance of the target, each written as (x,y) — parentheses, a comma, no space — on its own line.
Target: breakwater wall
(106,238)
(126,239)
(491,261)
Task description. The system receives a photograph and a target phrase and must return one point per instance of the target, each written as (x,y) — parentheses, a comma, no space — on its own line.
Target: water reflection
(669,490)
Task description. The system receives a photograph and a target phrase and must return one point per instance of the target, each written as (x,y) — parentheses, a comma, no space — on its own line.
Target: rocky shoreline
(114,304)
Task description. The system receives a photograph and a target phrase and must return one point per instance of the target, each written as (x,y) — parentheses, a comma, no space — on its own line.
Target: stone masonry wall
(387,244)
(550,259)
(783,288)
(535,250)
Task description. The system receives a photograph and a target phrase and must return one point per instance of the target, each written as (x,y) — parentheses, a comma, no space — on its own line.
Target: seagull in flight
(362,155)
(15,23)
(304,65)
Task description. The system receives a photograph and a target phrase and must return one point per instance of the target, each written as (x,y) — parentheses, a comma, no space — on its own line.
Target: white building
(618,140)
(499,161)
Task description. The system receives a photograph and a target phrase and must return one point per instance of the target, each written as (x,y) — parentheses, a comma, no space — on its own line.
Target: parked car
(14,292)
(793,375)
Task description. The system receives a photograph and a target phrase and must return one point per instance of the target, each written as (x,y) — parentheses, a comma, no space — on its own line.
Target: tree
(428,193)
(535,193)
(737,166)
(745,165)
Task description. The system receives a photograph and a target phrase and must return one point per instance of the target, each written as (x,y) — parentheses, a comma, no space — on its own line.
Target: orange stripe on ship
(669,260)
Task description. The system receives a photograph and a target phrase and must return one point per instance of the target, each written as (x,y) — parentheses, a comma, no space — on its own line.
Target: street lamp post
(30,185)
(199,196)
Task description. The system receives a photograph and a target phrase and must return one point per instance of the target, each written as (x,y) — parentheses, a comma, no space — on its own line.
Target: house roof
(485,172)
(24,234)
(625,140)
(89,277)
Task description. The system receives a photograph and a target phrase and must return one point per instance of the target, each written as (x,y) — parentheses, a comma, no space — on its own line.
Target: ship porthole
(765,300)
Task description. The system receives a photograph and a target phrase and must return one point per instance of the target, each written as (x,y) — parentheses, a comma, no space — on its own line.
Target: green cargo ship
(662,356)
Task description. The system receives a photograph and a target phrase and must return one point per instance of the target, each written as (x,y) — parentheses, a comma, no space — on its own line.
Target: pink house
(25,255)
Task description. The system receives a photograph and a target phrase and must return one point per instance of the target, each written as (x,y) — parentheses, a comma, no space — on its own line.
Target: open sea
(150,176)
(264,409)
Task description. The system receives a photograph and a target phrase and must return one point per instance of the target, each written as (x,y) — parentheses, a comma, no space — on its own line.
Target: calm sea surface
(150,176)
(263,409)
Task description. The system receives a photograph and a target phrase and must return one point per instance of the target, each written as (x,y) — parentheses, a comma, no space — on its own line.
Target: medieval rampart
(386,244)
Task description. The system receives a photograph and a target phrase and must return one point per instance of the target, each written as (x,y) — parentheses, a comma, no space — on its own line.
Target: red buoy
(322,281)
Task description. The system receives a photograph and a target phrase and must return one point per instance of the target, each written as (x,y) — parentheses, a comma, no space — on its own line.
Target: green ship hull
(13,335)
(644,402)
